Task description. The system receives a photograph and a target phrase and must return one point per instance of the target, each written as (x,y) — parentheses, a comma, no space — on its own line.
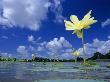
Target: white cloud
(39,48)
(61,48)
(5,22)
(66,56)
(108,37)
(5,54)
(56,48)
(106,23)
(97,46)
(26,51)
(57,44)
(57,8)
(31,38)
(105,47)
(22,50)
(31,48)
(25,14)
(28,13)
(4,37)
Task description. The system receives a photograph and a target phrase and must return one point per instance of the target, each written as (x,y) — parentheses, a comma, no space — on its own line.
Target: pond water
(53,72)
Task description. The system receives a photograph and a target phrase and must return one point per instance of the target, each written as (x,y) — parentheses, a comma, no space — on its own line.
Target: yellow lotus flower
(77,25)
(76,53)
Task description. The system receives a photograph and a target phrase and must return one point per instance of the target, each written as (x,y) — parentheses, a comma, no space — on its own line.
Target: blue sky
(32,23)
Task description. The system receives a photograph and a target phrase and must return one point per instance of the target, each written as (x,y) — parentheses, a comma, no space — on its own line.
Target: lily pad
(90,64)
(108,66)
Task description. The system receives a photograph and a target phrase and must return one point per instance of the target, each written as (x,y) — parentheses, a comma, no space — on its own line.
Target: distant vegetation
(36,59)
(96,56)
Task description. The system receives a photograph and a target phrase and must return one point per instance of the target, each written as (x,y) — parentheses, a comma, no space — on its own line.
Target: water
(53,72)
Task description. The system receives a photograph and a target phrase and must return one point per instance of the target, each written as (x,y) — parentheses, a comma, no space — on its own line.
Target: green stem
(75,59)
(83,44)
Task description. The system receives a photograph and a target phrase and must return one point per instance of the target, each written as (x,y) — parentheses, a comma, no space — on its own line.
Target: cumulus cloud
(25,14)
(22,50)
(56,48)
(28,14)
(106,23)
(105,48)
(57,44)
(96,46)
(61,48)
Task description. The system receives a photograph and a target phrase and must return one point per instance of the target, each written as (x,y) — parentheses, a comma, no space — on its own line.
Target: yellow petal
(74,19)
(90,22)
(69,25)
(76,22)
(76,53)
(77,25)
(87,20)
(87,16)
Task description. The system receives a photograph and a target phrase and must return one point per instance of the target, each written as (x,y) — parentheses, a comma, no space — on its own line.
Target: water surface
(52,72)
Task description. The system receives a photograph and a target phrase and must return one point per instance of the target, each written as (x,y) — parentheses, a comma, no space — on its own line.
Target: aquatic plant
(108,66)
(76,54)
(90,64)
(78,26)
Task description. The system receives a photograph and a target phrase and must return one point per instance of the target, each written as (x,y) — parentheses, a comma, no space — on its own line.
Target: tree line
(96,56)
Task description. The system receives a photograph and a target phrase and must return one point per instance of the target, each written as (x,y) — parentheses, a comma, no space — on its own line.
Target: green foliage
(108,66)
(98,55)
(89,64)
(7,59)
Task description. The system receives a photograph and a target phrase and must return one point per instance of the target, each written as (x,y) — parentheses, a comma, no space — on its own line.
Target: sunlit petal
(87,16)
(87,20)
(77,26)
(74,19)
(76,53)
(69,25)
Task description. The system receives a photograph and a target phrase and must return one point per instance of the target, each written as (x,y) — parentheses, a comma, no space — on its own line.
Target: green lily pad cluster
(89,64)
(108,66)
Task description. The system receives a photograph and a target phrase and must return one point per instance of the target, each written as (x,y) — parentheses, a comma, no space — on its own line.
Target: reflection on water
(38,72)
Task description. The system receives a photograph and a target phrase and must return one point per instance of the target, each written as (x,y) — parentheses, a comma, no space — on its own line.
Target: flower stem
(83,45)
(75,59)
